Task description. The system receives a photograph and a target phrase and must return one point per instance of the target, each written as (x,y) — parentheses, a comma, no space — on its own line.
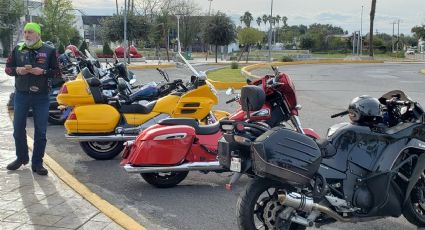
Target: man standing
(32,64)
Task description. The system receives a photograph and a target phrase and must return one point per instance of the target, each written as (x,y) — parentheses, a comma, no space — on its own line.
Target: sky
(344,13)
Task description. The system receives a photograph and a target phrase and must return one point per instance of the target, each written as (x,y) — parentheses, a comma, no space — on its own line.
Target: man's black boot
(15,164)
(40,170)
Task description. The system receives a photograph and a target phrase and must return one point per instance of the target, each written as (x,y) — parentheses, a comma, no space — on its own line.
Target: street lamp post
(125,31)
(361,33)
(178,33)
(270,32)
(209,9)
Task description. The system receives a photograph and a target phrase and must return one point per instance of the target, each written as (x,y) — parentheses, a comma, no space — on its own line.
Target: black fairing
(366,156)
(285,154)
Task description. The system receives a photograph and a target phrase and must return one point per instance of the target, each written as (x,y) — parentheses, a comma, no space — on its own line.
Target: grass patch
(226,75)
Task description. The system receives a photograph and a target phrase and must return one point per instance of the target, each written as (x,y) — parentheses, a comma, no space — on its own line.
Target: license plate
(235,164)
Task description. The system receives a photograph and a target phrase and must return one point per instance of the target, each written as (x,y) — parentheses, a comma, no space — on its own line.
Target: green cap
(33,26)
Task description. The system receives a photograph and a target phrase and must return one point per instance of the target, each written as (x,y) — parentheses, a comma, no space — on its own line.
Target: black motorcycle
(370,168)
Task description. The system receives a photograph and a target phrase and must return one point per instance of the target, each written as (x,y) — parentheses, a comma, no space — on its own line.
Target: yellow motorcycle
(102,125)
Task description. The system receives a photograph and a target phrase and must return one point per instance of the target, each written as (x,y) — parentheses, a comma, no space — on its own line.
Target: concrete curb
(246,71)
(104,206)
(422,71)
(150,66)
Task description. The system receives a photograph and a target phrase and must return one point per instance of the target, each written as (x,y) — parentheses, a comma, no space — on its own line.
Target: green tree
(372,18)
(57,21)
(219,31)
(259,20)
(419,31)
(248,37)
(307,42)
(61,48)
(137,28)
(265,19)
(10,13)
(247,18)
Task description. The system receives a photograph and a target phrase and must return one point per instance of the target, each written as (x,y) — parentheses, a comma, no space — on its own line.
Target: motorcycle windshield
(394,93)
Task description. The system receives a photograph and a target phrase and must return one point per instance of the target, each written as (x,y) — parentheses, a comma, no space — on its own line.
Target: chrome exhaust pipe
(106,138)
(306,204)
(194,166)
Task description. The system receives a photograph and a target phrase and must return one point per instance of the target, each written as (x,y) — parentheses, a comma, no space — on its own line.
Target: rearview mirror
(230,91)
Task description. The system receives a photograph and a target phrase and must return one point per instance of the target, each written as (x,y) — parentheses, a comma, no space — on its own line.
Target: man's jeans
(39,103)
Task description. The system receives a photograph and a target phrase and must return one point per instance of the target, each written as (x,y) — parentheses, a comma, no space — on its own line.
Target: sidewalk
(30,201)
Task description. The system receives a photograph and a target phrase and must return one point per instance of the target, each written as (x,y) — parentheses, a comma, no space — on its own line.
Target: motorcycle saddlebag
(284,154)
(96,118)
(162,145)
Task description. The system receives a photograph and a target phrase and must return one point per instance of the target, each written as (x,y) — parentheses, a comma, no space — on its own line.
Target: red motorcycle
(165,153)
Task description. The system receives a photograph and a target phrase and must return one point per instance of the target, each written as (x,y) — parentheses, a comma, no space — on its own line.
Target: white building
(421,45)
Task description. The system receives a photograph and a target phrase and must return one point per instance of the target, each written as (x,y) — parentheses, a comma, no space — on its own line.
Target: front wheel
(164,180)
(414,209)
(258,207)
(102,150)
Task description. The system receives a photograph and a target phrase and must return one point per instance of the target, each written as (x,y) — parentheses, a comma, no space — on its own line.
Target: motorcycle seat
(137,108)
(199,129)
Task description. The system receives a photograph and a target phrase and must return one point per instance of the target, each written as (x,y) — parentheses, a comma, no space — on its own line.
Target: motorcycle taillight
(63,90)
(72,116)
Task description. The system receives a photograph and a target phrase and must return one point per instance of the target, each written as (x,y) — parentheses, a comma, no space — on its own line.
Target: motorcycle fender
(97,118)
(162,145)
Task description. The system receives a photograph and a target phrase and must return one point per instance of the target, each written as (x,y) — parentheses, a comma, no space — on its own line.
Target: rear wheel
(164,180)
(259,208)
(102,150)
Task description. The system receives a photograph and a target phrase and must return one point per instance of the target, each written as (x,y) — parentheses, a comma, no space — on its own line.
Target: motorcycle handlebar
(339,114)
(232,100)
(397,102)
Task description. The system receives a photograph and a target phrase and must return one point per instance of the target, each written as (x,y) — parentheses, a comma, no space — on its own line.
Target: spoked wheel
(102,150)
(258,207)
(414,209)
(164,180)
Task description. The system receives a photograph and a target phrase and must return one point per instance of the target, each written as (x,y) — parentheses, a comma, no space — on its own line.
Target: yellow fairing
(98,118)
(196,103)
(78,93)
(138,119)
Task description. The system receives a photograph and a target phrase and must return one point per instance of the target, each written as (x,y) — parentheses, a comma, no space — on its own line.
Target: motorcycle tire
(96,151)
(248,202)
(410,213)
(164,181)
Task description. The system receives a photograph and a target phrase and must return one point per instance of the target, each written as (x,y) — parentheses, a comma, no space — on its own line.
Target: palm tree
(278,19)
(372,18)
(284,20)
(265,19)
(247,19)
(259,20)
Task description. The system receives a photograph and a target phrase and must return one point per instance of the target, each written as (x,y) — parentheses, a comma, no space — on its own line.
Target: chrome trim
(104,138)
(170,136)
(194,166)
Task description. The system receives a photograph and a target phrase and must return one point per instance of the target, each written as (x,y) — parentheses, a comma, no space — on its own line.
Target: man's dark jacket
(44,57)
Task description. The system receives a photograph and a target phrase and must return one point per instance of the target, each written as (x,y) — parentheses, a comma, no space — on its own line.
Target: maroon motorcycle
(165,153)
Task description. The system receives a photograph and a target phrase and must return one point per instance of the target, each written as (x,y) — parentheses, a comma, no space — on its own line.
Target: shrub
(107,49)
(83,46)
(286,59)
(234,65)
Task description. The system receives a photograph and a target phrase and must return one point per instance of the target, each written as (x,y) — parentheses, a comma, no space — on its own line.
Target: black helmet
(365,110)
